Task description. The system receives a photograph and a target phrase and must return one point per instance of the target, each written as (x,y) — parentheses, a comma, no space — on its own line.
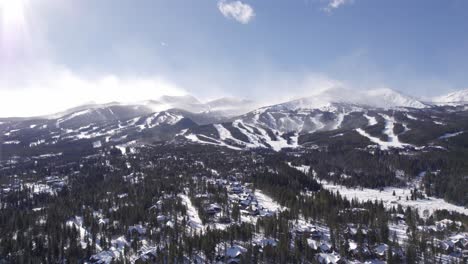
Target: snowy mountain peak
(388,98)
(454,97)
(228,101)
(377,98)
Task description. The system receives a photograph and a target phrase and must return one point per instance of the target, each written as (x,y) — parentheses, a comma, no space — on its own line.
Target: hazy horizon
(56,55)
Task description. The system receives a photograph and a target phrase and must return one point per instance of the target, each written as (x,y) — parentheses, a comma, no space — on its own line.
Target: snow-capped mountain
(378,98)
(223,107)
(382,117)
(100,114)
(454,97)
(113,123)
(186,102)
(338,124)
(231,106)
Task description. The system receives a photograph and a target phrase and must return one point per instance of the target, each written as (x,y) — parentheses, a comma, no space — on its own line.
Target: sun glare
(12,12)
(14,29)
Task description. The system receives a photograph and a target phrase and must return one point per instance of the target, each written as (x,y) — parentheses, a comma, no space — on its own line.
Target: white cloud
(334,4)
(237,10)
(50,88)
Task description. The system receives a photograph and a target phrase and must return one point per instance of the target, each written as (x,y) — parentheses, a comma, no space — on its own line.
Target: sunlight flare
(12,12)
(15,39)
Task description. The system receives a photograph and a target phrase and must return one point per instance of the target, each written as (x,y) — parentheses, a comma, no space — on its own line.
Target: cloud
(278,87)
(334,4)
(50,88)
(237,10)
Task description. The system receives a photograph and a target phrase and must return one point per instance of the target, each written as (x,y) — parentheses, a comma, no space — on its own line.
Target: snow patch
(195,221)
(450,135)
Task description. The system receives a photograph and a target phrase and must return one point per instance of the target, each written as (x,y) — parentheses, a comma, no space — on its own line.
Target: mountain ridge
(460,96)
(233,106)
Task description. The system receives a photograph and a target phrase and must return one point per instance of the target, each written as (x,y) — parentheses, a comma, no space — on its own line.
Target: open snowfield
(386,195)
(267,202)
(194,218)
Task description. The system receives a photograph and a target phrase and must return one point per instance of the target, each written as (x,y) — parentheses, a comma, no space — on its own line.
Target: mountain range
(381,118)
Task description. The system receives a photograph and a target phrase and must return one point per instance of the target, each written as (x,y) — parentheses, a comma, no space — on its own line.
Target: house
(357,250)
(237,189)
(399,253)
(170,224)
(325,247)
(313,244)
(212,209)
(233,254)
(447,246)
(325,258)
(381,250)
(353,248)
(245,202)
(139,229)
(162,218)
(460,240)
(266,213)
(308,231)
(103,221)
(316,234)
(399,217)
(351,231)
(267,242)
(149,257)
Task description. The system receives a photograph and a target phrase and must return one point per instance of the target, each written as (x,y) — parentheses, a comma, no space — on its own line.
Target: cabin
(212,209)
(325,258)
(381,251)
(138,229)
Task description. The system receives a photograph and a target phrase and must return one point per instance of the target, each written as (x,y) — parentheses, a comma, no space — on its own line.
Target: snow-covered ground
(195,138)
(393,141)
(257,138)
(267,202)
(195,221)
(449,135)
(386,195)
(71,116)
(371,119)
(260,140)
(77,222)
(399,231)
(411,117)
(114,252)
(12,142)
(339,120)
(303,168)
(40,188)
(160,118)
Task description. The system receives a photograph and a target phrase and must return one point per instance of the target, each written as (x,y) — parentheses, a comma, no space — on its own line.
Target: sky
(56,54)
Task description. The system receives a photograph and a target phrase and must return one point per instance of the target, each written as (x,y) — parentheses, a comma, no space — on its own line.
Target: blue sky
(249,48)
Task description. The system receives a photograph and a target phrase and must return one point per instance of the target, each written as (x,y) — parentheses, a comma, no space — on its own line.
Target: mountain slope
(455,97)
(223,107)
(380,118)
(378,98)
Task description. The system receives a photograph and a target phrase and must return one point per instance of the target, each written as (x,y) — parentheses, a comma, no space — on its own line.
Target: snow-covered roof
(235,251)
(328,258)
(138,228)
